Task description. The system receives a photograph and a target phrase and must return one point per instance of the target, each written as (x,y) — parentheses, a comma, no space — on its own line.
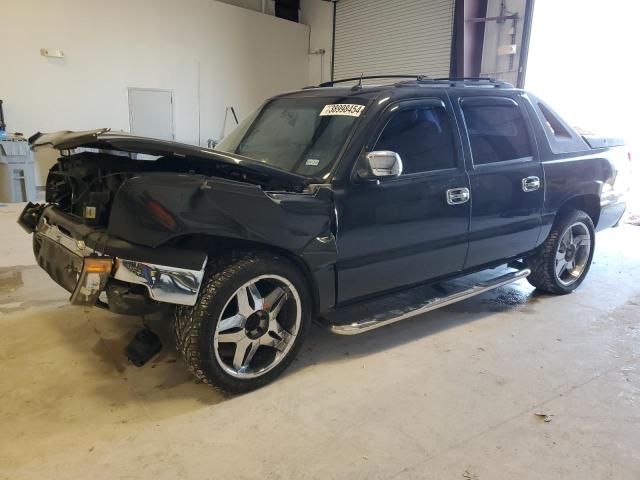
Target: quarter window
(553,123)
(422,137)
(497,133)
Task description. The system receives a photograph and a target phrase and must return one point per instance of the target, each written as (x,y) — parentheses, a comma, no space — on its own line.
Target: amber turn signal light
(97,265)
(92,280)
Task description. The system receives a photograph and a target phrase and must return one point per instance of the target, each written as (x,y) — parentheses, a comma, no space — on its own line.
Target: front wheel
(564,259)
(250,320)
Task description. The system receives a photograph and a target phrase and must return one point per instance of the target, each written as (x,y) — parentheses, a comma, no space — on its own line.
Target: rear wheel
(249,322)
(563,260)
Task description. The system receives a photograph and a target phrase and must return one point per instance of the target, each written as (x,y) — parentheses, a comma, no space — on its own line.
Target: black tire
(195,326)
(543,264)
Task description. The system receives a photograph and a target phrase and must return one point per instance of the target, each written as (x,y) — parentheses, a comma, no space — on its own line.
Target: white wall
(236,57)
(318,14)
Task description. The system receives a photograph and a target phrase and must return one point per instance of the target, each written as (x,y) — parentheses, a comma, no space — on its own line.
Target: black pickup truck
(322,198)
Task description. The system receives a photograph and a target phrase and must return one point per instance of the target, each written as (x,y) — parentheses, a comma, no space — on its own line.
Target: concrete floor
(453,394)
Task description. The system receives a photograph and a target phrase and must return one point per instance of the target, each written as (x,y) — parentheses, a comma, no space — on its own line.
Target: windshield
(301,135)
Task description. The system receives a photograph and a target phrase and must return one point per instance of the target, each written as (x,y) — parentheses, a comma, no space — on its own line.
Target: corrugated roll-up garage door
(381,37)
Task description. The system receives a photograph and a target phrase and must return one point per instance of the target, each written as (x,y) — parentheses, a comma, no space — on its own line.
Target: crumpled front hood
(151,209)
(124,142)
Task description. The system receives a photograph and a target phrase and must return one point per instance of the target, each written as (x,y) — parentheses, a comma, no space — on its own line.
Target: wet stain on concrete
(505,299)
(10,279)
(12,307)
(111,352)
(512,299)
(23,287)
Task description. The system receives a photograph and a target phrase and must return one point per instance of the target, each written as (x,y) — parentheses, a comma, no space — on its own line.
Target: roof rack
(496,82)
(424,79)
(331,83)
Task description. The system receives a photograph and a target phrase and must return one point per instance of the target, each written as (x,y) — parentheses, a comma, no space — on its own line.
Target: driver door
(411,228)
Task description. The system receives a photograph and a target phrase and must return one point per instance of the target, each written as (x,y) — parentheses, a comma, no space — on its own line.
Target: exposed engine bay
(84,184)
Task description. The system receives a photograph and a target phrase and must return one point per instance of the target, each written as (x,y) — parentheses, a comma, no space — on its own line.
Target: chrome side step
(393,316)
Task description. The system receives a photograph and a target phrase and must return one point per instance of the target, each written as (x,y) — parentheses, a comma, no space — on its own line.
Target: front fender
(153,208)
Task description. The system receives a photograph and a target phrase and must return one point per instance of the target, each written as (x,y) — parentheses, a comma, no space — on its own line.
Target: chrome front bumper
(164,283)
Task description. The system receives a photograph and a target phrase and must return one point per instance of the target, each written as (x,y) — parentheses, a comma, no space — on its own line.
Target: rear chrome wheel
(573,253)
(563,260)
(258,326)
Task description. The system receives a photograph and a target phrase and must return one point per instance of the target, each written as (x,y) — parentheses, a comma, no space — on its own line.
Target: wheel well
(590,204)
(216,246)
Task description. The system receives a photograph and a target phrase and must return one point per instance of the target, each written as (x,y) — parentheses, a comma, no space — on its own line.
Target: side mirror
(380,165)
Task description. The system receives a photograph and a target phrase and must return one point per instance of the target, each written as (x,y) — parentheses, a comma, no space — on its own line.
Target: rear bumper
(610,214)
(61,252)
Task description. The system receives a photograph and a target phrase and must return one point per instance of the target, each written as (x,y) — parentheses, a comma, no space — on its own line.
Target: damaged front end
(130,222)
(87,273)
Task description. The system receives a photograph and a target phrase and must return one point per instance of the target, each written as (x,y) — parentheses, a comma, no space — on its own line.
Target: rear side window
(422,137)
(561,137)
(497,133)
(553,123)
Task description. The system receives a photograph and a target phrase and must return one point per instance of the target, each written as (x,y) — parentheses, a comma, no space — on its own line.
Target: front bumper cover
(64,258)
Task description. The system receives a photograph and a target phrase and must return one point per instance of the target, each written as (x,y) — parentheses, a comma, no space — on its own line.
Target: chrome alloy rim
(258,326)
(573,254)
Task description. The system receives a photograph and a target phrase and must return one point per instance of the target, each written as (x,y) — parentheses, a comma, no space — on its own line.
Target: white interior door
(151,113)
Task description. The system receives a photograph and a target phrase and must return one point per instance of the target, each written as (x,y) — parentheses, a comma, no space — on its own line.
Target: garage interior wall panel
(378,37)
(209,54)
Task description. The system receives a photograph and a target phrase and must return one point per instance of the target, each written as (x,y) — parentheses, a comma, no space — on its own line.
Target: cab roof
(407,84)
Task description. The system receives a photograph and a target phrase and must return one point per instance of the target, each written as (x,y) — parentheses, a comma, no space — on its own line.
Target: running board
(394,315)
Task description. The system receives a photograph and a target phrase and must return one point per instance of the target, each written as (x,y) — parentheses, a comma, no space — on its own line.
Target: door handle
(456,196)
(530,184)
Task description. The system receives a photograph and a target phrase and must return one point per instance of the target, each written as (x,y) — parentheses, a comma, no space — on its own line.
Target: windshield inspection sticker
(348,109)
(313,162)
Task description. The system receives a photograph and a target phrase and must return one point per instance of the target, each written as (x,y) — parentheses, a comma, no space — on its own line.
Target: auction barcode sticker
(348,109)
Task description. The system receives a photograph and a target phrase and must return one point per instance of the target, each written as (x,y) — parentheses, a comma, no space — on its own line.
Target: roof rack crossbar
(494,81)
(331,83)
(469,79)
(421,79)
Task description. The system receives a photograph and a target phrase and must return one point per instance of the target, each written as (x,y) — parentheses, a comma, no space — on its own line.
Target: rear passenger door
(506,179)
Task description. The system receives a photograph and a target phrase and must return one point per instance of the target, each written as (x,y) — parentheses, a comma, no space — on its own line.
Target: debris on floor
(469,475)
(144,346)
(632,219)
(546,417)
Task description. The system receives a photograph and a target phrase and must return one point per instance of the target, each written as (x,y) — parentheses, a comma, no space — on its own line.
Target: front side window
(497,133)
(422,137)
(300,135)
